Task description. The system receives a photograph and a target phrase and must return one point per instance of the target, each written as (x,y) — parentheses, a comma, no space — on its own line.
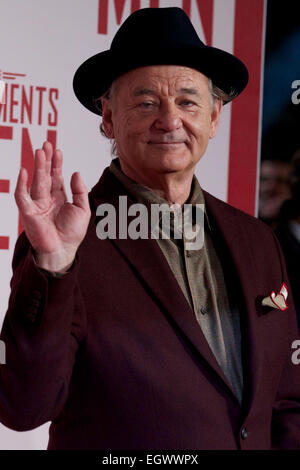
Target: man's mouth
(167,143)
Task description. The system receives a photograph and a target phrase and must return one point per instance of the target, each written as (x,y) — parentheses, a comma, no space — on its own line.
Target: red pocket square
(277,300)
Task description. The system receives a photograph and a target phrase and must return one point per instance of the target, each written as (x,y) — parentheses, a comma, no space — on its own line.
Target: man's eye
(187,103)
(147,104)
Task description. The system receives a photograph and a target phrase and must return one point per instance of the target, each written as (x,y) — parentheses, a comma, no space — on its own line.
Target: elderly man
(143,343)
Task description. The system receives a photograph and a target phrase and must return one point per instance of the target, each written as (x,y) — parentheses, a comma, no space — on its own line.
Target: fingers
(53,159)
(56,171)
(47,176)
(54,163)
(22,196)
(47,147)
(41,181)
(79,192)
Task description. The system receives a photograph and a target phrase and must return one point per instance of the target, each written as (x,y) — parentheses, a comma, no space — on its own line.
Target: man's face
(161,118)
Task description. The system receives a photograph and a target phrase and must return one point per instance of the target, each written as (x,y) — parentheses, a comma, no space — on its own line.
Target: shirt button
(244,433)
(188,254)
(204,310)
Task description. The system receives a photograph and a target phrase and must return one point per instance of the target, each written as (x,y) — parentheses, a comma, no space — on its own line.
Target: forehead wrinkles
(166,81)
(171,85)
(167,86)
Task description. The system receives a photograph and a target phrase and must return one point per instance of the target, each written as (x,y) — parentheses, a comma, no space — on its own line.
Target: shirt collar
(144,195)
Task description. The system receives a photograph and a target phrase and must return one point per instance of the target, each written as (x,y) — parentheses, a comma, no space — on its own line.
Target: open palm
(54,226)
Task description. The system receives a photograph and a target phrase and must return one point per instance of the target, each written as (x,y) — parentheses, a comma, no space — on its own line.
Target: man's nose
(168,118)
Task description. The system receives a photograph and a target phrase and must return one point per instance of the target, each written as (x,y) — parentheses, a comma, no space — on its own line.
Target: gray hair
(216,94)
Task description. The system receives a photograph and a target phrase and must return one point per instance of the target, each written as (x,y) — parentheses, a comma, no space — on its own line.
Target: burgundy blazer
(112,353)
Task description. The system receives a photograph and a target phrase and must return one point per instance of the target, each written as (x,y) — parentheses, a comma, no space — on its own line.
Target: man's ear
(215,117)
(107,123)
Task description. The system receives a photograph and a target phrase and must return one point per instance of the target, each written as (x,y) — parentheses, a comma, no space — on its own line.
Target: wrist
(58,263)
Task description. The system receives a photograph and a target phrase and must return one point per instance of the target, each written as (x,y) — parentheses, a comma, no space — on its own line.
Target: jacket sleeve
(42,331)
(286,410)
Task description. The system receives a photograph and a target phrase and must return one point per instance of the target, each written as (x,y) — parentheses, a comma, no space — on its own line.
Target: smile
(167,144)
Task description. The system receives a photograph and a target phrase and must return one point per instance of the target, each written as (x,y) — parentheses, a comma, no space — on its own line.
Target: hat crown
(156,36)
(166,27)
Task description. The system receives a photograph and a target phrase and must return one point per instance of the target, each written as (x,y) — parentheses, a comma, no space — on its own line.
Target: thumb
(79,192)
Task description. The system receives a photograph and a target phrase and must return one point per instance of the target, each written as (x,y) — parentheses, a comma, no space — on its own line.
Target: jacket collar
(145,195)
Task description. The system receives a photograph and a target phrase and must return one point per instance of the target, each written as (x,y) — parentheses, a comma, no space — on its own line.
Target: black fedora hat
(156,36)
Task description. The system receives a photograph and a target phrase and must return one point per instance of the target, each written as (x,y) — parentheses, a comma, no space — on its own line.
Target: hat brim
(94,77)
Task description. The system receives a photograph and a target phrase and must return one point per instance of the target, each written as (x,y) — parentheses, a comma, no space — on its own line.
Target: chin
(173,162)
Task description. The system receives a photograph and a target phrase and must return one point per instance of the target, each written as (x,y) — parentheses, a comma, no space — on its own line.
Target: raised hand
(54,226)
